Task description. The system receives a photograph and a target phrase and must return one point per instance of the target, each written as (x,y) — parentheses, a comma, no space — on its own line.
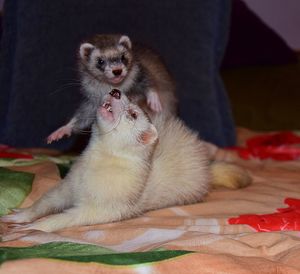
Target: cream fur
(121,175)
(180,167)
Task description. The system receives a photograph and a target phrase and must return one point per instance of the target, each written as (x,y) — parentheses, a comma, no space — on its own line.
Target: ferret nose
(117,72)
(115,93)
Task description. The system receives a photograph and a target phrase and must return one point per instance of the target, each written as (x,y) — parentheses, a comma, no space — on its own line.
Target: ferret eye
(133,114)
(100,62)
(124,59)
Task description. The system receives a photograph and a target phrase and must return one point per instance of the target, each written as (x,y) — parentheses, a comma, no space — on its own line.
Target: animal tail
(229,175)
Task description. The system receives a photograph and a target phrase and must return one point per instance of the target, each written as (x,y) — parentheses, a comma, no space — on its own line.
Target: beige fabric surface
(220,247)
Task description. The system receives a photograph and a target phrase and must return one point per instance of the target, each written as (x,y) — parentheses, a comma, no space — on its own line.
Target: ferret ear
(149,136)
(125,41)
(85,50)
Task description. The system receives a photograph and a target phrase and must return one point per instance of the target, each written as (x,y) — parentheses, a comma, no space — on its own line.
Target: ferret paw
(58,134)
(153,101)
(41,225)
(19,228)
(15,228)
(18,216)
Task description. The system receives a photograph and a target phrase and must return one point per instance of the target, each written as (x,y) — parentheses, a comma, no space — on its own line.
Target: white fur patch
(125,40)
(95,54)
(85,49)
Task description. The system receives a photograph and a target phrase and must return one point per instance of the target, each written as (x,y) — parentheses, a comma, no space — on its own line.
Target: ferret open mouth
(112,106)
(107,106)
(117,80)
(106,111)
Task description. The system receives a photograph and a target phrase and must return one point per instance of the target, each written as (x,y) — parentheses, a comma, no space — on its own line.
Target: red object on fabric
(4,147)
(284,219)
(6,153)
(15,155)
(278,146)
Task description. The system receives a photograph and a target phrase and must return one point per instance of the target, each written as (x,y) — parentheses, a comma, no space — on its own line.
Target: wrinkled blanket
(250,230)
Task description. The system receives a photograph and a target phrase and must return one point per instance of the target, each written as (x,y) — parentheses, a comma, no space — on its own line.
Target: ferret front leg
(68,218)
(153,101)
(54,200)
(75,216)
(65,130)
(83,118)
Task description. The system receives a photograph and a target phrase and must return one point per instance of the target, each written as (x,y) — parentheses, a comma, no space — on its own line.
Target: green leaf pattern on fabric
(65,160)
(85,253)
(14,187)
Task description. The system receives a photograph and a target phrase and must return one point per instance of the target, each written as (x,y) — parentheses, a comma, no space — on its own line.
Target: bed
(251,230)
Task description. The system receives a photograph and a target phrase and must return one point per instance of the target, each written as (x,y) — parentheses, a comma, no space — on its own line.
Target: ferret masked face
(108,58)
(118,118)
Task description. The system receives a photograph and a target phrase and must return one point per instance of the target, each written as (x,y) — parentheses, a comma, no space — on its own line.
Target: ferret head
(107,57)
(128,123)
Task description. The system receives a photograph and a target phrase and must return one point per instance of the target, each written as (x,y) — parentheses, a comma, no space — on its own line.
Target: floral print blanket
(251,230)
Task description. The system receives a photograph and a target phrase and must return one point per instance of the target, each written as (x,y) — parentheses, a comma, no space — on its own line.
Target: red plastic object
(5,153)
(284,219)
(4,147)
(15,155)
(278,146)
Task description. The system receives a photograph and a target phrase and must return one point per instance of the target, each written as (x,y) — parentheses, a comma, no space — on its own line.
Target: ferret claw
(14,228)
(58,134)
(20,216)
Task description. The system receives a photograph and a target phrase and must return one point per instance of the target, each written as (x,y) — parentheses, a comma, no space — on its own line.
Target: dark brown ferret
(113,61)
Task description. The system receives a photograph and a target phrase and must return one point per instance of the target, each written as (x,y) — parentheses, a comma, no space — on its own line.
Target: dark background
(38,60)
(39,82)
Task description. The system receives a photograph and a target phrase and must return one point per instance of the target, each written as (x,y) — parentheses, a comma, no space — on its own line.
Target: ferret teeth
(109,109)
(107,106)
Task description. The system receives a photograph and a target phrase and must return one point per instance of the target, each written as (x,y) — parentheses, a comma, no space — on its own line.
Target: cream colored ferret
(130,166)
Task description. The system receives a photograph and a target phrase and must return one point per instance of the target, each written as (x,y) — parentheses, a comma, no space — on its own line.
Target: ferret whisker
(72,83)
(64,87)
(84,132)
(86,118)
(68,68)
(70,80)
(114,126)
